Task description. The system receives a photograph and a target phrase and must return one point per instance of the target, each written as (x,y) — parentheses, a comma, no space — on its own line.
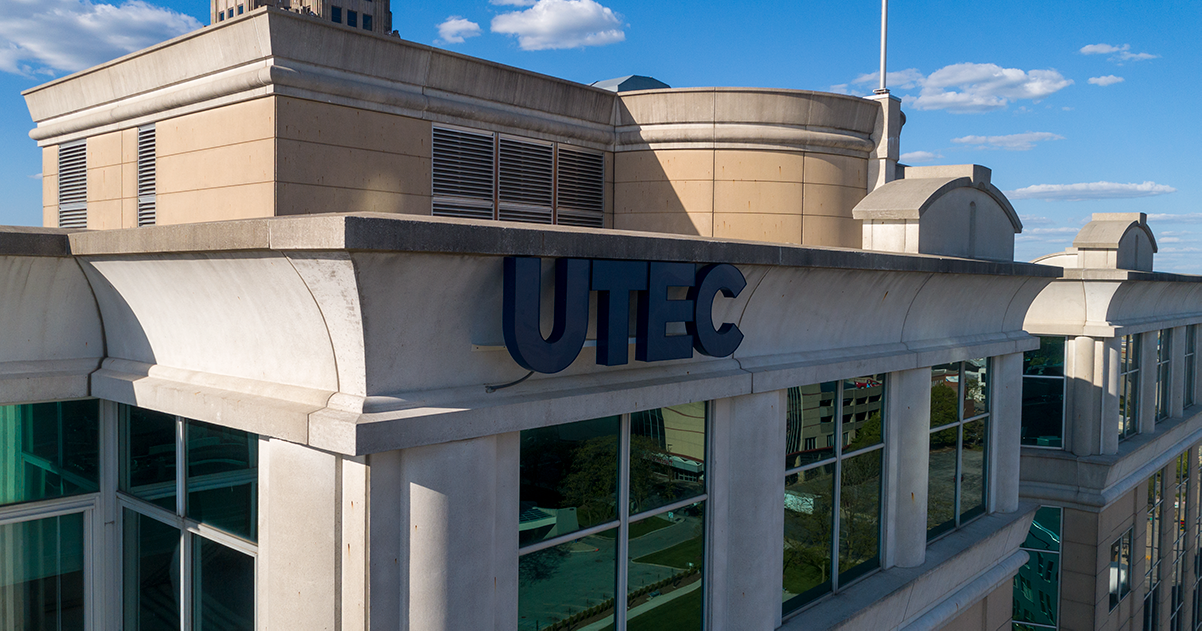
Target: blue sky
(1077,106)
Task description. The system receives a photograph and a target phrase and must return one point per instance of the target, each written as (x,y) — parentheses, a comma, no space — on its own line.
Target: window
(352,18)
(230,13)
(1037,584)
(1198,551)
(336,14)
(49,457)
(480,175)
(1120,568)
(959,430)
(189,498)
(1153,547)
(1129,350)
(221,16)
(147,166)
(73,184)
(832,495)
(590,493)
(1191,365)
(1043,394)
(367,22)
(1180,510)
(1164,360)
(239,9)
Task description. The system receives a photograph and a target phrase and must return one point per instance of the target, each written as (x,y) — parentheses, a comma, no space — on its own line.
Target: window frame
(1130,381)
(1190,366)
(1164,374)
(1123,588)
(959,425)
(1063,396)
(1154,549)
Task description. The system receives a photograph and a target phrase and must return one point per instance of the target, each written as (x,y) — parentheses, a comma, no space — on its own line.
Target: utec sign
(613,281)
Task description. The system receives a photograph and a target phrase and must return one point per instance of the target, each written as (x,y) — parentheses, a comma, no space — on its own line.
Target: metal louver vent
(146,176)
(463,173)
(580,188)
(73,185)
(526,186)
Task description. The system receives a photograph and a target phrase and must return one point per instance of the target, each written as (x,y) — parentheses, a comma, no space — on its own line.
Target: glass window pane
(860,515)
(941,483)
(809,525)
(223,478)
(863,404)
(1045,530)
(570,579)
(41,574)
(49,450)
(810,424)
(1116,579)
(151,574)
(148,455)
(976,387)
(569,478)
(1047,360)
(223,588)
(972,477)
(1043,412)
(1037,589)
(667,456)
(945,388)
(665,572)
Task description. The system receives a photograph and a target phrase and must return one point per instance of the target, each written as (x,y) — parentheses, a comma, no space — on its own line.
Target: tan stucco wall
(50,186)
(341,159)
(112,181)
(759,195)
(991,613)
(217,164)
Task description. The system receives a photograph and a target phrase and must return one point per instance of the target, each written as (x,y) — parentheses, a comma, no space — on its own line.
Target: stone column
(886,134)
(1106,393)
(746,508)
(1177,373)
(907,458)
(1147,390)
(1005,432)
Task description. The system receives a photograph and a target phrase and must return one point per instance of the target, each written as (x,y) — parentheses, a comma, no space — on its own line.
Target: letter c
(720,277)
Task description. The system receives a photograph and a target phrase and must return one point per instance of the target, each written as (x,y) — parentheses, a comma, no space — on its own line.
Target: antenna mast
(884,31)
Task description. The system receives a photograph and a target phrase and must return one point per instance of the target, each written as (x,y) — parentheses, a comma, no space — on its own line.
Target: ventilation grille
(581,188)
(463,169)
(146,176)
(73,185)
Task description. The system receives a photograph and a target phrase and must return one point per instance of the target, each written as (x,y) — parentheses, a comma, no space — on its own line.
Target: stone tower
(369,15)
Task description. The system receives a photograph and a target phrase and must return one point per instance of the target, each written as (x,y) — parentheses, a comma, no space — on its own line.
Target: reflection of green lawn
(799,578)
(679,613)
(639,528)
(678,556)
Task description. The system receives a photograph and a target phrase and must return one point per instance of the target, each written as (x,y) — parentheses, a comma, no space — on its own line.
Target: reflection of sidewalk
(645,607)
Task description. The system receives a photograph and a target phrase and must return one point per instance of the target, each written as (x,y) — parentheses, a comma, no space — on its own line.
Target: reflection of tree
(859,510)
(944,407)
(591,482)
(808,535)
(541,565)
(1048,359)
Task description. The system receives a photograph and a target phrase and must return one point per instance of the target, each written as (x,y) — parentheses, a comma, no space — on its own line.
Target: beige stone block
(247,201)
(784,198)
(668,164)
(1081,526)
(841,170)
(227,165)
(1078,587)
(50,160)
(336,125)
(49,216)
(831,201)
(104,150)
(999,606)
(971,619)
(609,167)
(50,190)
(104,183)
(129,213)
(659,197)
(758,227)
(679,106)
(304,199)
(345,167)
(228,125)
(129,179)
(104,215)
(759,166)
(831,231)
(129,145)
(1074,615)
(700,224)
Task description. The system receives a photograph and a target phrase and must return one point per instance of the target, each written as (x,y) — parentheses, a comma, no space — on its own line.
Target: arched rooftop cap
(1107,230)
(630,83)
(922,187)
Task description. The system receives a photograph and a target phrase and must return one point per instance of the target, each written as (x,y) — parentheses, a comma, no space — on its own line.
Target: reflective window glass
(42,574)
(1047,360)
(151,573)
(49,450)
(972,477)
(863,403)
(1037,589)
(148,456)
(1043,411)
(665,572)
(569,478)
(860,515)
(667,456)
(945,384)
(956,485)
(223,478)
(810,424)
(941,482)
(1045,530)
(223,588)
(809,525)
(976,388)
(571,579)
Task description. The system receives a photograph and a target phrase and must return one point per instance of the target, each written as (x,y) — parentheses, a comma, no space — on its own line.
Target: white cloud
(1050,231)
(455,29)
(1169,240)
(919,156)
(35,176)
(1036,221)
(50,36)
(973,88)
(1106,80)
(513,3)
(1186,218)
(900,80)
(1120,53)
(551,24)
(1012,142)
(1089,190)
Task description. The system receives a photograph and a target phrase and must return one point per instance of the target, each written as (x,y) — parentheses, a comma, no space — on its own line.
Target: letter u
(522,313)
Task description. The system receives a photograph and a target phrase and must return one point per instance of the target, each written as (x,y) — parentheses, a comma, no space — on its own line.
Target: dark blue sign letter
(613,281)
(656,311)
(711,280)
(522,313)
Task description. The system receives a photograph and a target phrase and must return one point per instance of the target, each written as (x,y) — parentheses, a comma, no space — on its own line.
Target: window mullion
(622,550)
(835,500)
(957,495)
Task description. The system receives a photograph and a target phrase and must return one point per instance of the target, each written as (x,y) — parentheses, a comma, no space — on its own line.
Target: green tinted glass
(1045,530)
(569,478)
(810,422)
(945,393)
(667,456)
(1043,412)
(941,483)
(665,573)
(1047,360)
(1037,589)
(148,455)
(809,521)
(151,574)
(223,478)
(863,408)
(860,516)
(223,588)
(49,450)
(972,477)
(571,579)
(42,574)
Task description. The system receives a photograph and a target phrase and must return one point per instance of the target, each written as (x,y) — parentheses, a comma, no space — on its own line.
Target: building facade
(411,340)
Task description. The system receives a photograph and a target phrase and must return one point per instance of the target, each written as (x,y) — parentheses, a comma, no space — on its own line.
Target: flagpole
(884,31)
